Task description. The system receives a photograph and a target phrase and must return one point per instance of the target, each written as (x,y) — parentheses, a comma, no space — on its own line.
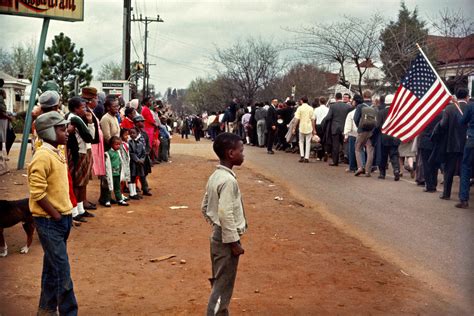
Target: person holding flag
(420,97)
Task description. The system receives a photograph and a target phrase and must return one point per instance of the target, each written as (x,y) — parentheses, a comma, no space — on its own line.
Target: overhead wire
(137,9)
(180,63)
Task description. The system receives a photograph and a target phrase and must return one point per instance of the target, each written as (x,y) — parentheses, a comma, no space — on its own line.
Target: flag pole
(439,78)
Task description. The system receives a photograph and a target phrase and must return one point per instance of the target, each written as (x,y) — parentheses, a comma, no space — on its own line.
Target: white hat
(389,99)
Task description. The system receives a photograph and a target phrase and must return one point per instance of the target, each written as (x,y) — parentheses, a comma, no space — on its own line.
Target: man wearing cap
(389,144)
(51,209)
(49,101)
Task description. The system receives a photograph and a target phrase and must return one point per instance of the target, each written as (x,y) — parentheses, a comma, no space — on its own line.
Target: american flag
(420,97)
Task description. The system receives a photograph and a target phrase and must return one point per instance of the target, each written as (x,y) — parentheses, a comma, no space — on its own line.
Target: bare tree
(455,30)
(451,23)
(346,43)
(252,64)
(308,79)
(110,71)
(19,62)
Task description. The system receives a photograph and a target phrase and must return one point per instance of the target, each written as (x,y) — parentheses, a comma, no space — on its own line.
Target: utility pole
(127,29)
(146,21)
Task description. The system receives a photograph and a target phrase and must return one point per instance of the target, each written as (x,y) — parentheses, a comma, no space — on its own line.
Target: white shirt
(350,128)
(211,119)
(222,204)
(320,113)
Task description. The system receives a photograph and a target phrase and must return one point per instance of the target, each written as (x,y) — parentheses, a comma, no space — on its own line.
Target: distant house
(454,60)
(372,78)
(15,90)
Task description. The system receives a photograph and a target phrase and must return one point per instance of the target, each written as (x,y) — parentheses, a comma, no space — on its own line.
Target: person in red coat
(127,122)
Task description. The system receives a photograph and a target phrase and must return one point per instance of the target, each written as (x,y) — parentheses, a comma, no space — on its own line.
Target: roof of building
(7,77)
(367,64)
(452,50)
(331,78)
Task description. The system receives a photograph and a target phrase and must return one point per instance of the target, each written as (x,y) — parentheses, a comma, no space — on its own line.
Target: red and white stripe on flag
(419,98)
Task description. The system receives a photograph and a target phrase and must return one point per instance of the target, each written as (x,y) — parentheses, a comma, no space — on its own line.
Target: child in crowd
(223,209)
(51,207)
(144,139)
(164,141)
(137,161)
(113,167)
(124,135)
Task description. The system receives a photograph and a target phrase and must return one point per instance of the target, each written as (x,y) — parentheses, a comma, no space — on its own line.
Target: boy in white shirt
(223,208)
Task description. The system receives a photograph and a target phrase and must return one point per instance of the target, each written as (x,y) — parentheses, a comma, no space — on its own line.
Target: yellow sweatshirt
(47,176)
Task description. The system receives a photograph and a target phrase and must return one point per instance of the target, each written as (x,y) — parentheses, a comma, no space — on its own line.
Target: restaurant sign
(68,10)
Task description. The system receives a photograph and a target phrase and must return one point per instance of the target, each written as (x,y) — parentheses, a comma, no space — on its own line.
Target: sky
(179,48)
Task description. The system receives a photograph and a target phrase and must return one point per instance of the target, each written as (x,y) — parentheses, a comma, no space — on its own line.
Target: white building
(15,90)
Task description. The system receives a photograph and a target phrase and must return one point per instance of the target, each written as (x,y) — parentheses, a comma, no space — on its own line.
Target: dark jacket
(271,119)
(468,119)
(145,140)
(425,135)
(137,158)
(72,144)
(95,120)
(336,117)
(286,114)
(454,130)
(386,139)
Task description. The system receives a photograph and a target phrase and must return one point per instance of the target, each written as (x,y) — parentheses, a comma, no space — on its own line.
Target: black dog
(11,213)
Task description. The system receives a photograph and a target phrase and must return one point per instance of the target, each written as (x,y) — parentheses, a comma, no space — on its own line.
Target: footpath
(296,262)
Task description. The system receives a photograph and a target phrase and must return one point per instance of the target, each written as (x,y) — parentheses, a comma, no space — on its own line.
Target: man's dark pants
(224,272)
(466,172)
(57,291)
(392,152)
(270,139)
(430,170)
(450,164)
(336,147)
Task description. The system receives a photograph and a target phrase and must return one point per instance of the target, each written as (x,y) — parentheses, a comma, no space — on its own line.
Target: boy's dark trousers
(57,293)
(144,183)
(224,272)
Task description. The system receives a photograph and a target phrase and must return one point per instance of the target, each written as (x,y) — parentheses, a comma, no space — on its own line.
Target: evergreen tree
(399,40)
(64,64)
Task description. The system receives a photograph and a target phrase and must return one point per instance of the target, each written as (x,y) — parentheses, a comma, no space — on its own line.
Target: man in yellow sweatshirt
(51,208)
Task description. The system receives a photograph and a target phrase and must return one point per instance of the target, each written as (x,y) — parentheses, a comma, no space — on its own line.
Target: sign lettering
(69,10)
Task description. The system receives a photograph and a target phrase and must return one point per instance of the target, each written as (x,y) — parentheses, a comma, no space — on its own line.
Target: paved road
(429,238)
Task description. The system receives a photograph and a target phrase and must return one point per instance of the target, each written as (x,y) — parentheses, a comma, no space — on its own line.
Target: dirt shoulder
(295,263)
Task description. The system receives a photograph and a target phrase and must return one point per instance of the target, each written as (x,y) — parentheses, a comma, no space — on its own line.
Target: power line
(135,49)
(179,63)
(146,21)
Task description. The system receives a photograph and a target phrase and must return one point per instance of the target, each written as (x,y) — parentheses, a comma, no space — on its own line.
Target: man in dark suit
(467,163)
(455,140)
(426,146)
(271,122)
(337,117)
(389,144)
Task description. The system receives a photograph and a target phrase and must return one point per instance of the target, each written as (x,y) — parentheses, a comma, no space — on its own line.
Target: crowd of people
(96,136)
(348,129)
(118,145)
(93,136)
